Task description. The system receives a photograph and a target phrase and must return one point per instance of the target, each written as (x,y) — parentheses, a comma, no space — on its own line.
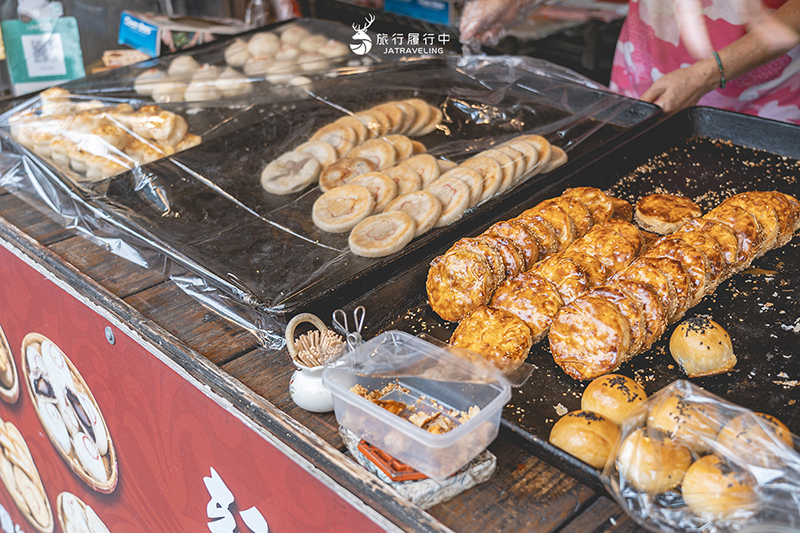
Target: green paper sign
(42,53)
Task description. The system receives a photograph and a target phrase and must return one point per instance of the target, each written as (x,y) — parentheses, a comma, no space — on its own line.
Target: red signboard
(183,462)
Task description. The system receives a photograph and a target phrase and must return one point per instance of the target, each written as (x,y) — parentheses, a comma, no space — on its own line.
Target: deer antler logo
(364,41)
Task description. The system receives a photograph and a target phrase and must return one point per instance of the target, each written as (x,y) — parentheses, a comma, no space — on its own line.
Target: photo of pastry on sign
(75,516)
(21,479)
(9,381)
(69,413)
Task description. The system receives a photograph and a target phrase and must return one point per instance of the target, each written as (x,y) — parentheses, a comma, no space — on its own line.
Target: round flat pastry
(498,336)
(744,226)
(783,210)
(453,194)
(340,209)
(422,115)
(423,207)
(434,120)
(558,158)
(426,166)
(380,152)
(530,157)
(342,137)
(508,250)
(589,337)
(766,216)
(629,231)
(394,114)
(578,212)
(418,147)
(643,272)
(722,235)
(492,256)
(623,210)
(472,178)
(382,234)
(795,203)
(531,298)
(608,247)
(406,178)
(343,171)
(9,380)
(709,246)
(543,148)
(458,283)
(264,44)
(665,213)
(565,274)
(382,187)
(517,159)
(323,152)
(630,308)
(290,173)
(693,260)
(558,219)
(294,35)
(506,165)
(596,272)
(312,43)
(544,233)
(595,200)
(409,116)
(676,273)
(518,233)
(373,122)
(362,132)
(402,146)
(491,172)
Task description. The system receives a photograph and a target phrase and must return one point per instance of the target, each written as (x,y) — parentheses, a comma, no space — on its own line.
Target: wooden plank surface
(525,494)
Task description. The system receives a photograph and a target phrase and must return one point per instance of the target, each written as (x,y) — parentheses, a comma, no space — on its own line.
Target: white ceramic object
(308,392)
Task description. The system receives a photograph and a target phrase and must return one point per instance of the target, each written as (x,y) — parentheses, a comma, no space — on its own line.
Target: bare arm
(768,40)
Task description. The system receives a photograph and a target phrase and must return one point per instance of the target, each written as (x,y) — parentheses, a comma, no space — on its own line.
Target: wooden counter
(525,494)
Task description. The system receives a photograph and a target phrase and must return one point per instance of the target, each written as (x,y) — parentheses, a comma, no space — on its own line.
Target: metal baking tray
(224,226)
(705,154)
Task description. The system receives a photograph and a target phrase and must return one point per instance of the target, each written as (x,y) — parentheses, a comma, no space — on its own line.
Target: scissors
(340,323)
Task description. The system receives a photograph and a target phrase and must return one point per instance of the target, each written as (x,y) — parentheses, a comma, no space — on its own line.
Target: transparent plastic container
(429,377)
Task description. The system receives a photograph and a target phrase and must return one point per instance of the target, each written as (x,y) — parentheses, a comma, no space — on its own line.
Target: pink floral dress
(649,46)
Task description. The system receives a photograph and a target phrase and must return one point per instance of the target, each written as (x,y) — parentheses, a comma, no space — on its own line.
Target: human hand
(683,87)
(488,20)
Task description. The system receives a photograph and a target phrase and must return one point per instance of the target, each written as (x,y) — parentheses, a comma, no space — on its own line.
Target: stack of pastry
(517,275)
(608,325)
(97,141)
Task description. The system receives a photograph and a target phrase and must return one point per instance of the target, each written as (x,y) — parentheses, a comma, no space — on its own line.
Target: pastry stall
(233,290)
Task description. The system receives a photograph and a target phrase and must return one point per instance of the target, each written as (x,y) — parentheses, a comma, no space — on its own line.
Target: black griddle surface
(706,155)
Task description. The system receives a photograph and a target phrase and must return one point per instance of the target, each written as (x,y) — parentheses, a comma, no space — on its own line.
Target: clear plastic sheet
(253,256)
(688,460)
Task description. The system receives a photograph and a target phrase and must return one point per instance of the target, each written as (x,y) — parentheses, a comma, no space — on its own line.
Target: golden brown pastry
(566,275)
(744,226)
(607,246)
(589,337)
(708,245)
(623,210)
(644,271)
(586,435)
(495,334)
(613,396)
(692,422)
(544,233)
(795,203)
(598,202)
(680,283)
(632,312)
(693,261)
(343,171)
(512,256)
(458,283)
(629,232)
(652,463)
(596,272)
(578,212)
(783,210)
(665,213)
(766,216)
(531,298)
(489,253)
(702,347)
(655,318)
(519,234)
(757,438)
(713,489)
(559,220)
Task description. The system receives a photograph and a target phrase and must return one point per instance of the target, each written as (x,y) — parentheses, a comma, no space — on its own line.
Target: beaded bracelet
(721,71)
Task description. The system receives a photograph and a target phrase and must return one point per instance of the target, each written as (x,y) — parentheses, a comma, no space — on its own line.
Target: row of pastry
(277,57)
(386,208)
(100,141)
(598,293)
(372,139)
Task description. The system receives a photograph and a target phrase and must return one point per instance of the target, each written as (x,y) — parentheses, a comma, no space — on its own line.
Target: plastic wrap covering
(248,235)
(688,460)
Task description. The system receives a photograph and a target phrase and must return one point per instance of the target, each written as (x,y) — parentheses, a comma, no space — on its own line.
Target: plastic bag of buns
(687,460)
